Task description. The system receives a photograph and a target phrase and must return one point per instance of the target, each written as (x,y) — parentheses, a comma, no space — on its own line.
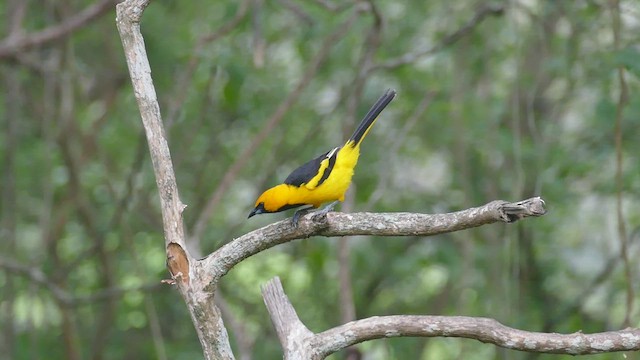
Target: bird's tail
(371,117)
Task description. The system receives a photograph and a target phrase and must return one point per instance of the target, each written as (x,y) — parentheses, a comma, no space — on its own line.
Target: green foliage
(522,104)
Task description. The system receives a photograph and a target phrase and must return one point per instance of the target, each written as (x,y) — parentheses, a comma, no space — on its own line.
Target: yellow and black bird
(323,179)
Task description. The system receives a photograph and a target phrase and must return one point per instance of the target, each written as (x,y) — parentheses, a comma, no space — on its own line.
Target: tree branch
(291,331)
(204,314)
(448,40)
(623,100)
(482,329)
(63,296)
(306,345)
(129,14)
(185,79)
(226,257)
(17,42)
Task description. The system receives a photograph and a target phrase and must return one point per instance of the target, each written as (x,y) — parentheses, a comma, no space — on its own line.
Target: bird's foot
(327,209)
(298,214)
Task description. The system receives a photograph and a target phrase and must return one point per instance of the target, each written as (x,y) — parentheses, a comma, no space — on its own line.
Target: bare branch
(17,11)
(259,42)
(63,296)
(623,99)
(185,79)
(448,40)
(291,331)
(576,306)
(299,12)
(244,339)
(482,329)
(204,314)
(128,21)
(35,275)
(370,46)
(381,224)
(17,42)
(327,5)
(226,27)
(306,345)
(392,149)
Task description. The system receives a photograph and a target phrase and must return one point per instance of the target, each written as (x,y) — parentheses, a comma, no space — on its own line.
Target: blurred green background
(496,100)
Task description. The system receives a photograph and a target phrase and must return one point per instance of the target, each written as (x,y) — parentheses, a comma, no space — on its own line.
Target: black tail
(371,116)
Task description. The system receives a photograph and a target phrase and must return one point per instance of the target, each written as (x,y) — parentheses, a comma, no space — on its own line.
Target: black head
(258,210)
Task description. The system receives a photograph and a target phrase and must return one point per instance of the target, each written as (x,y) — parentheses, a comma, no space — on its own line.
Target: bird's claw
(297,215)
(327,209)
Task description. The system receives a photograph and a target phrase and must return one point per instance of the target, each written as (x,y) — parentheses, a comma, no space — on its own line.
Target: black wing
(309,170)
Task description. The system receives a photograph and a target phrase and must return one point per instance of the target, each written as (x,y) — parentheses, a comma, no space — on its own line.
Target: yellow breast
(336,185)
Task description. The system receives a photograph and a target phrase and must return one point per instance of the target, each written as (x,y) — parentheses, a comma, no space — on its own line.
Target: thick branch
(291,331)
(128,21)
(380,224)
(482,329)
(204,314)
(318,346)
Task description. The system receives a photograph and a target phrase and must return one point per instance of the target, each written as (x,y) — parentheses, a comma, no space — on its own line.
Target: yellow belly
(335,186)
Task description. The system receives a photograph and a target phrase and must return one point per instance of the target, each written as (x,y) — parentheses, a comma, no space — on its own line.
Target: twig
(328,5)
(392,150)
(63,296)
(13,106)
(16,11)
(622,231)
(259,43)
(588,290)
(364,64)
(226,27)
(448,40)
(298,11)
(17,42)
(185,78)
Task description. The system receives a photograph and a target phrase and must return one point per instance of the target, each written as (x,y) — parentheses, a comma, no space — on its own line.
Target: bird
(323,179)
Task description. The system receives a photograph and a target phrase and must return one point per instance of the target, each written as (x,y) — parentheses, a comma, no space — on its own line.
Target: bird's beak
(258,210)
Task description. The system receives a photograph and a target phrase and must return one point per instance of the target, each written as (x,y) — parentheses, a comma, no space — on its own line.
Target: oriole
(323,179)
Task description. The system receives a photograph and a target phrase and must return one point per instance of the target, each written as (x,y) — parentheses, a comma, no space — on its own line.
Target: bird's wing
(315,172)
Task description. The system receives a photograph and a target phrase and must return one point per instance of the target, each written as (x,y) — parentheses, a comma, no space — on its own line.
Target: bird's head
(274,200)
(268,201)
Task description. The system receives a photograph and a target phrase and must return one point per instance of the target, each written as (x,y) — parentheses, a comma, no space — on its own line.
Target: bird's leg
(327,209)
(298,214)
